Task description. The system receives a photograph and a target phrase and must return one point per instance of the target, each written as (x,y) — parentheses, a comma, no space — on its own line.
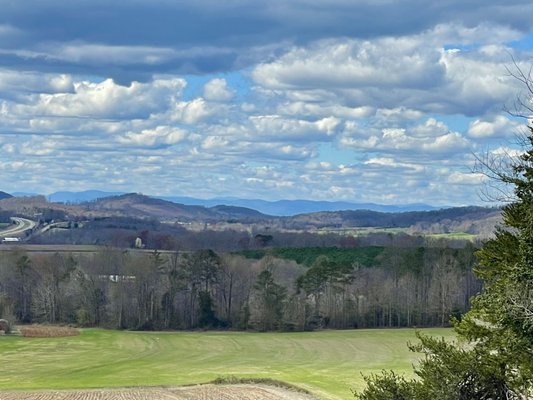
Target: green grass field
(395,231)
(453,236)
(328,363)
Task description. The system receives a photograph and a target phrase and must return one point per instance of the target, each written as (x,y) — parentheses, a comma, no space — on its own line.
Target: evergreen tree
(207,317)
(270,301)
(494,360)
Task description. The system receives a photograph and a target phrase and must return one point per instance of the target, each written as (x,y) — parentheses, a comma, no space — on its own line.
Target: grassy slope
(328,363)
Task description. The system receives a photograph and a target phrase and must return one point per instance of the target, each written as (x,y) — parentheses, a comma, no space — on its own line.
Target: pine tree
(494,357)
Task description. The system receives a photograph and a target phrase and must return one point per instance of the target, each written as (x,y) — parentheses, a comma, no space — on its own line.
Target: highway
(22,225)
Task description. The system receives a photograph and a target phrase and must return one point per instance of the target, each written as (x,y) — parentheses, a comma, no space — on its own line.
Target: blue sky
(368,101)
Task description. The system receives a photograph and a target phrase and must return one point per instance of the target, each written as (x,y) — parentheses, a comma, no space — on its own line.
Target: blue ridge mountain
(277,208)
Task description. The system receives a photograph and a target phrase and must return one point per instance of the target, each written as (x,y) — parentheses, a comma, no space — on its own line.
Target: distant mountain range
(472,220)
(294,207)
(276,208)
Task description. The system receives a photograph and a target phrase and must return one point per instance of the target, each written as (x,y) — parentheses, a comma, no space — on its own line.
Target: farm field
(196,392)
(326,363)
(364,231)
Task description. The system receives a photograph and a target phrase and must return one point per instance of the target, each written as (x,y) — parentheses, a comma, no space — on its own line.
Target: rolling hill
(472,220)
(138,205)
(4,195)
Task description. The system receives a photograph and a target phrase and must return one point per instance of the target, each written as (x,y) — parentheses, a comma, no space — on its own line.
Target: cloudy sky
(364,100)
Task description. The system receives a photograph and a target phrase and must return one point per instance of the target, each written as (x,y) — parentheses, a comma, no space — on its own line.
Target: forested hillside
(4,195)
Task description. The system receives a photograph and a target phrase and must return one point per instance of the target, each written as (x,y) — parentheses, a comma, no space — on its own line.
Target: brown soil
(46,331)
(200,392)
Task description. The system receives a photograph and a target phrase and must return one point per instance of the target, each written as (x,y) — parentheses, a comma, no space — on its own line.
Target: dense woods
(281,289)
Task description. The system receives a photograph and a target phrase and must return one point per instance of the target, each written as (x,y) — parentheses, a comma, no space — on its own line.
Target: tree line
(116,288)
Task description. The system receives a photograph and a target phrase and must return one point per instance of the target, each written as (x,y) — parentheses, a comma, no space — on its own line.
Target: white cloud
(16,84)
(398,114)
(431,127)
(499,127)
(506,152)
(427,141)
(218,90)
(103,100)
(214,142)
(392,163)
(62,83)
(96,53)
(324,110)
(452,141)
(414,72)
(275,127)
(460,178)
(191,112)
(480,33)
(384,117)
(341,64)
(161,135)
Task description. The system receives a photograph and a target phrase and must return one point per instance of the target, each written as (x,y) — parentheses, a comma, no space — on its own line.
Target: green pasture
(361,231)
(395,231)
(453,235)
(328,363)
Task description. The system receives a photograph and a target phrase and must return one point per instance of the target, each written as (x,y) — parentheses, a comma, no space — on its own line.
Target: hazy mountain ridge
(294,207)
(277,208)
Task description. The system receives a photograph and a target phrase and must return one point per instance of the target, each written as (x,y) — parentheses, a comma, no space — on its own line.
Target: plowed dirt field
(201,392)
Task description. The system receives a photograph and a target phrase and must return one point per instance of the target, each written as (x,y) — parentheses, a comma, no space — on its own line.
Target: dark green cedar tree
(493,358)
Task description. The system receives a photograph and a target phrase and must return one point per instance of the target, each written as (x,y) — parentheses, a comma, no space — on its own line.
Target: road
(22,225)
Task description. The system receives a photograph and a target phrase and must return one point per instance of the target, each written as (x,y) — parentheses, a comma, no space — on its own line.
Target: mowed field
(327,363)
